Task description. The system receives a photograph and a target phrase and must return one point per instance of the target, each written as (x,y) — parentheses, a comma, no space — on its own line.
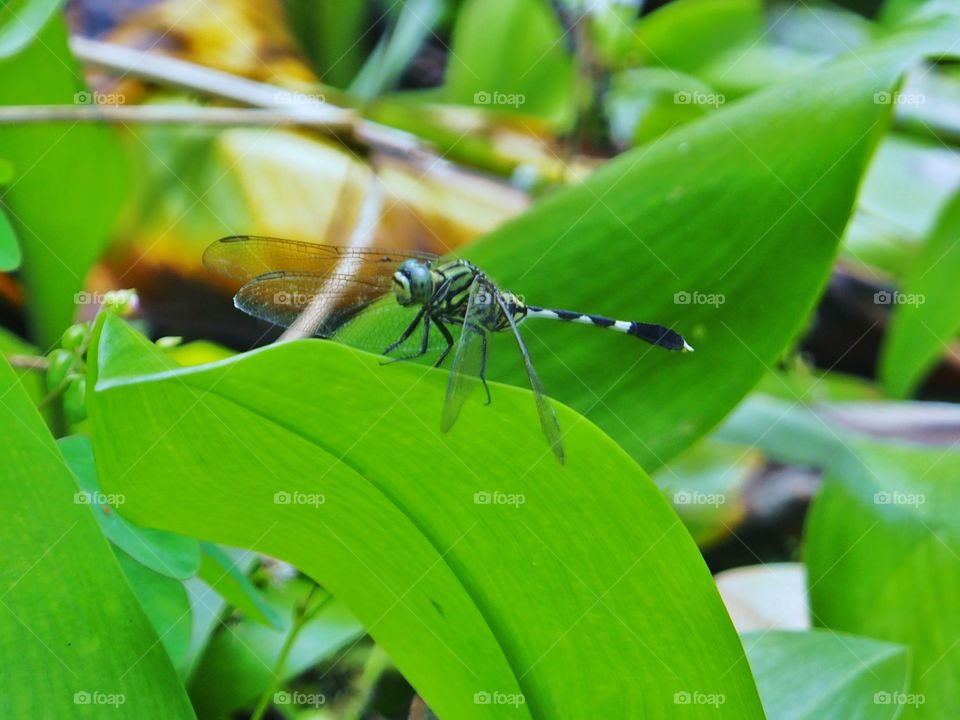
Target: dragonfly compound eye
(413,283)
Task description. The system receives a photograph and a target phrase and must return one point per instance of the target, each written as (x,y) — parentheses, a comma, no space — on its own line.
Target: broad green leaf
(331,32)
(511,56)
(686,34)
(820,675)
(785,430)
(69,185)
(223,573)
(74,637)
(206,608)
(471,558)
(164,600)
(644,103)
(661,234)
(883,559)
(21,20)
(165,553)
(6,171)
(926,313)
(9,249)
(238,664)
(415,21)
(934,171)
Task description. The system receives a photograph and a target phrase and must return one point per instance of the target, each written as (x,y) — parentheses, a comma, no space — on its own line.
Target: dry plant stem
(28,362)
(164,115)
(301,107)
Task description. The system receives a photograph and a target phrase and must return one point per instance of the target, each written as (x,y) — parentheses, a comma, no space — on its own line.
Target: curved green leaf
(70,181)
(476,561)
(926,314)
(75,640)
(21,20)
(883,559)
(724,229)
(224,574)
(820,675)
(164,600)
(164,553)
(9,249)
(517,63)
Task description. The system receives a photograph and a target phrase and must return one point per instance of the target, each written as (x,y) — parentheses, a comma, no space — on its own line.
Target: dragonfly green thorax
(285,279)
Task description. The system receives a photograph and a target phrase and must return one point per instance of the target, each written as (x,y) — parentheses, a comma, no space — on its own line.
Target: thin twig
(28,362)
(168,114)
(175,72)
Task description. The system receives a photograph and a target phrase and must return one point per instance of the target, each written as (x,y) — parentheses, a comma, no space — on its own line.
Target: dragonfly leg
(424,345)
(446,336)
(483,370)
(406,334)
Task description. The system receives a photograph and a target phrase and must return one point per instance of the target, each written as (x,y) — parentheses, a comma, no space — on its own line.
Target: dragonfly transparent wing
(470,355)
(548,416)
(246,257)
(355,312)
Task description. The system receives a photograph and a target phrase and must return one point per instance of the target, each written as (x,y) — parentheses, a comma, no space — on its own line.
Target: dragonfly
(402,305)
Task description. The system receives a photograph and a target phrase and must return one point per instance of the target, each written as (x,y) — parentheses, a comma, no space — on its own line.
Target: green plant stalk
(377,663)
(302,615)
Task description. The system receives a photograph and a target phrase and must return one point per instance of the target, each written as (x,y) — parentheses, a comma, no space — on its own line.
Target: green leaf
(883,559)
(342,471)
(661,234)
(9,249)
(785,430)
(820,675)
(646,102)
(415,22)
(165,553)
(926,314)
(686,34)
(74,634)
(222,573)
(164,600)
(238,664)
(81,159)
(21,21)
(511,56)
(331,33)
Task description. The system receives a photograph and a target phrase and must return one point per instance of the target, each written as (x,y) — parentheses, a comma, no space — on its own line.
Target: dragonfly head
(413,283)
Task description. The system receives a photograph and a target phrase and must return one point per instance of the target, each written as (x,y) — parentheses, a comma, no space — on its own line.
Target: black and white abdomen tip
(653,334)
